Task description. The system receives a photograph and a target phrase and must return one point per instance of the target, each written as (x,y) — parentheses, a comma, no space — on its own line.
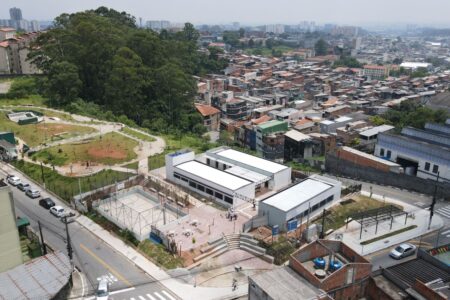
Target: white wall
(281,179)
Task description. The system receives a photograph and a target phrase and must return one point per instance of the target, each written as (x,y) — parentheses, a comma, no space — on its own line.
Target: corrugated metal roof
(40,278)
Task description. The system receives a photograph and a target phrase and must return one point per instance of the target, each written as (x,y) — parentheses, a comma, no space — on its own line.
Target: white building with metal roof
(229,188)
(273,176)
(300,200)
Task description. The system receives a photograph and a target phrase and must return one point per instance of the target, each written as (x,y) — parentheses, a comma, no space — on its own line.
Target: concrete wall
(10,250)
(348,169)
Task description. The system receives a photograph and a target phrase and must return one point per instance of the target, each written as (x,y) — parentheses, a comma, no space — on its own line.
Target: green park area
(36,134)
(109,149)
(139,135)
(66,187)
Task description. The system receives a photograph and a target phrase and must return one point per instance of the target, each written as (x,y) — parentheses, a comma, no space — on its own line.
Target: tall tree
(63,83)
(321,47)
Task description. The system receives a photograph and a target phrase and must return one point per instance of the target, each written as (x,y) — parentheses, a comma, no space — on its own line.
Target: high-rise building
(275,28)
(10,251)
(158,25)
(34,26)
(15,14)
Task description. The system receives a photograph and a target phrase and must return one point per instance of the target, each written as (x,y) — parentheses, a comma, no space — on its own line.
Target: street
(91,256)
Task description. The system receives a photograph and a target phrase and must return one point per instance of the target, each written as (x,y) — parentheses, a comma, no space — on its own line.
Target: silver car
(33,193)
(403,250)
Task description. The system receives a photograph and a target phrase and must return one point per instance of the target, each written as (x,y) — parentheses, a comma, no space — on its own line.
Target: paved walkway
(182,290)
(420,218)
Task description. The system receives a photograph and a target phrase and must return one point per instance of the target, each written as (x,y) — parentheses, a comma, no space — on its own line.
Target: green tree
(321,47)
(63,84)
(241,32)
(126,82)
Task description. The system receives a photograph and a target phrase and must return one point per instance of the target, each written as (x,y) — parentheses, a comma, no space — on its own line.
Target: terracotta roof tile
(206,110)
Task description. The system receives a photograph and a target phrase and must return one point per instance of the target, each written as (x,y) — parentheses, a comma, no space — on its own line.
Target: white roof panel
(213,175)
(247,174)
(297,194)
(376,130)
(251,160)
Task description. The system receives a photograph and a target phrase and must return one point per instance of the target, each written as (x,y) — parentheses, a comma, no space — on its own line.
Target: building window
(219,195)
(209,191)
(322,203)
(435,168)
(381,152)
(184,179)
(228,199)
(388,154)
(217,164)
(176,176)
(192,184)
(208,161)
(200,187)
(329,199)
(427,166)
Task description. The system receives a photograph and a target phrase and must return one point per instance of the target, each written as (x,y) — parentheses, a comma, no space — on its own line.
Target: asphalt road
(91,256)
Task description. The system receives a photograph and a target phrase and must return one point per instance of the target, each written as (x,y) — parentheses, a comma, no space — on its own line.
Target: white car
(403,250)
(57,211)
(102,292)
(14,180)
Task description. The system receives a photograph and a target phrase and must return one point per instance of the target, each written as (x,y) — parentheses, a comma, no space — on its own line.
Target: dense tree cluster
(410,114)
(101,57)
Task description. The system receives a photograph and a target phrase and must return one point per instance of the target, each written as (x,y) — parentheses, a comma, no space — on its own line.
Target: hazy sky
(250,11)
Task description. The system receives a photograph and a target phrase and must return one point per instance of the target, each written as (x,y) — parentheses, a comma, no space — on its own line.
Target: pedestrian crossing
(161,295)
(444,211)
(109,277)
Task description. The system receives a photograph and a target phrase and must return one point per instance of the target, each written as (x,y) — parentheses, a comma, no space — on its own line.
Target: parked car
(23,186)
(46,203)
(102,292)
(403,250)
(14,180)
(33,193)
(57,211)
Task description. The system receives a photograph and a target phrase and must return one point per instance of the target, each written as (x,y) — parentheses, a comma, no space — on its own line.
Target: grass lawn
(302,167)
(173,143)
(339,213)
(138,134)
(159,255)
(134,165)
(66,187)
(109,149)
(35,100)
(36,134)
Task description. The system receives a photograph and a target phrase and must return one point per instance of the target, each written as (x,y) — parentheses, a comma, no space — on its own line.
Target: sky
(250,12)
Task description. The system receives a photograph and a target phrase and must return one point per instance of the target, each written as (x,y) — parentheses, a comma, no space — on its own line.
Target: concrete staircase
(234,241)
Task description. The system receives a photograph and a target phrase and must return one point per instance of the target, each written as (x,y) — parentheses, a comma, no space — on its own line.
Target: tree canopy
(321,47)
(100,56)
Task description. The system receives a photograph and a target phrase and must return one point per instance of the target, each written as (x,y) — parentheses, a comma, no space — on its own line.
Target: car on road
(403,250)
(33,193)
(102,291)
(57,211)
(14,180)
(23,186)
(47,203)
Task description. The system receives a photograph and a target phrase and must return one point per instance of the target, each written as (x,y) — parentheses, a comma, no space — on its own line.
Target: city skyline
(251,12)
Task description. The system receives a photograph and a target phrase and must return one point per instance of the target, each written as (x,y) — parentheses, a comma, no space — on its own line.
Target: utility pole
(323,224)
(69,244)
(434,200)
(44,248)
(42,175)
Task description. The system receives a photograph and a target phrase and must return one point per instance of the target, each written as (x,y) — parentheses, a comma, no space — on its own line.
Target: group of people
(231,214)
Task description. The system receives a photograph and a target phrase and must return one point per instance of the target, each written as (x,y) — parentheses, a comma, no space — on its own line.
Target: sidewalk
(420,218)
(182,290)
